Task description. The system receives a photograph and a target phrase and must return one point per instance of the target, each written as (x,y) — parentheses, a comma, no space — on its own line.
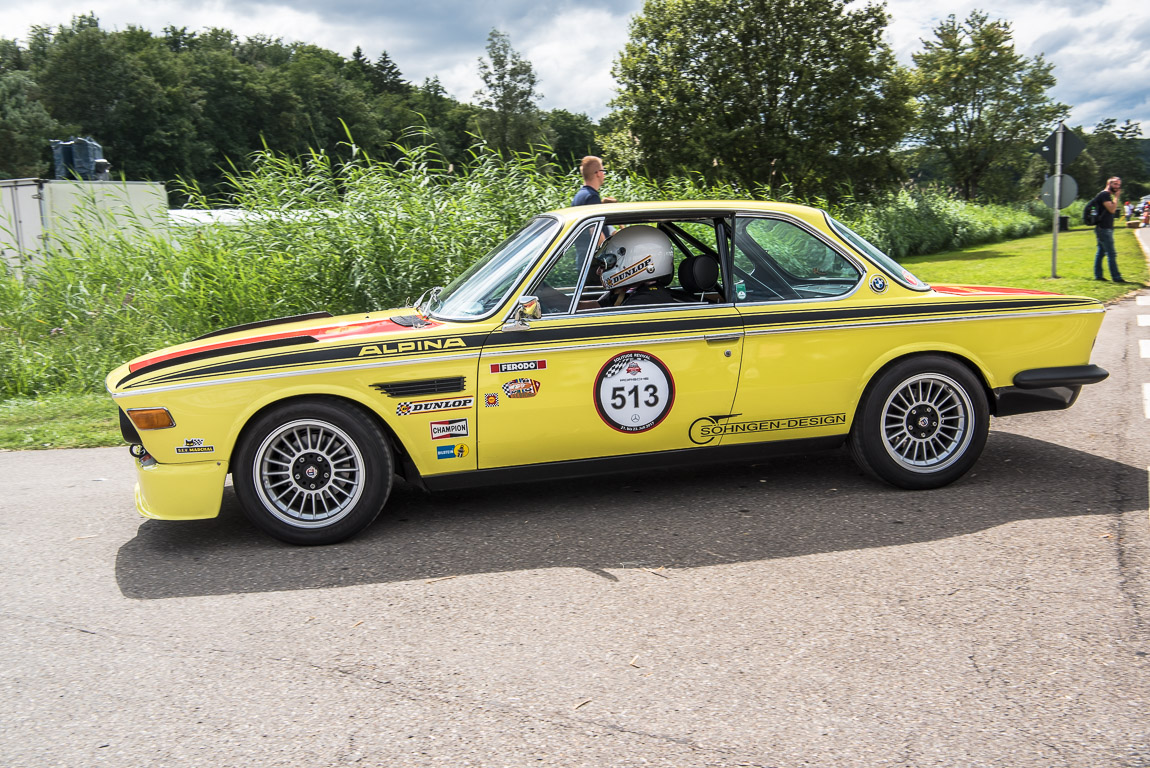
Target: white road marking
(1146,399)
(1143,319)
(1144,347)
(1144,301)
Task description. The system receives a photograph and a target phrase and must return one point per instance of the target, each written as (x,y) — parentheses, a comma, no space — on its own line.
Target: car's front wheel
(313,472)
(922,423)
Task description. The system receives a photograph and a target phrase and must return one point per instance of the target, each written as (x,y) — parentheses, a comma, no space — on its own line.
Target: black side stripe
(265,324)
(344,353)
(972,309)
(239,349)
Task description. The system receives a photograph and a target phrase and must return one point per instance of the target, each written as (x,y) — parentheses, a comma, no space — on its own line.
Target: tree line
(777,97)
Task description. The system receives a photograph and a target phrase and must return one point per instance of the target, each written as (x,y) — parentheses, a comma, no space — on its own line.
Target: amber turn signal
(151,418)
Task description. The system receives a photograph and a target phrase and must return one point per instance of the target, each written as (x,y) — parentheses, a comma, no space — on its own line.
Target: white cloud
(1102,61)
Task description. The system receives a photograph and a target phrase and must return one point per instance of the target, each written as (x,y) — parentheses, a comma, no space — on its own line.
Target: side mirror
(527,309)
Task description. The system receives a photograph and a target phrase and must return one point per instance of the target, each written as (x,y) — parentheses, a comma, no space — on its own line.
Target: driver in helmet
(635,265)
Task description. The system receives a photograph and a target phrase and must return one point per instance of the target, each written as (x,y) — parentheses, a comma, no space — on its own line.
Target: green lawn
(59,421)
(1026,263)
(85,421)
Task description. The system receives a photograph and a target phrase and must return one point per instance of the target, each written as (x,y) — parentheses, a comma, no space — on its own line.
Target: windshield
(886,263)
(487,283)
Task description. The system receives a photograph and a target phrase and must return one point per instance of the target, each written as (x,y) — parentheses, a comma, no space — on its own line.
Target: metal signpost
(1060,147)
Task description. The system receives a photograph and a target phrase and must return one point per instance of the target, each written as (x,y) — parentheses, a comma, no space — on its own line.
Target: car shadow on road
(786,507)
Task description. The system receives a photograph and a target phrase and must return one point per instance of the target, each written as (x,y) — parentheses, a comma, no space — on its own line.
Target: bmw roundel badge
(878,283)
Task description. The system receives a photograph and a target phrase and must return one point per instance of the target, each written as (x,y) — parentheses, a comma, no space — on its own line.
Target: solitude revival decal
(634,392)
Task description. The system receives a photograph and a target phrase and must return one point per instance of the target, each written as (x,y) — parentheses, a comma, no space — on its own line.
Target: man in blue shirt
(593,172)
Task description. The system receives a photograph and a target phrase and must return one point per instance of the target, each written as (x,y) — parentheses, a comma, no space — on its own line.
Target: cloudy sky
(1101,56)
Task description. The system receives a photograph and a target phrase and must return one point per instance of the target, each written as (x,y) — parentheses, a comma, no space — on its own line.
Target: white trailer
(33,211)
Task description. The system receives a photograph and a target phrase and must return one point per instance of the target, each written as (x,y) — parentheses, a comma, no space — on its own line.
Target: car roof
(702,207)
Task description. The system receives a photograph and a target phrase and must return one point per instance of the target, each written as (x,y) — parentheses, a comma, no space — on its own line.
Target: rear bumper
(180,491)
(1045,389)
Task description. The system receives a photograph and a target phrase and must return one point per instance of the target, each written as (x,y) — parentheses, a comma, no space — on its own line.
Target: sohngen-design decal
(704,430)
(634,392)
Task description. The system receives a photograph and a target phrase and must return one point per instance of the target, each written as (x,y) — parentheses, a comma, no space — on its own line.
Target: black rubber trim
(128,429)
(265,324)
(1064,376)
(1011,401)
(615,464)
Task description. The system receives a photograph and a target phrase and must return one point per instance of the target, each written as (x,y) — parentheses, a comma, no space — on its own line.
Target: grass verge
(59,421)
(90,420)
(1026,263)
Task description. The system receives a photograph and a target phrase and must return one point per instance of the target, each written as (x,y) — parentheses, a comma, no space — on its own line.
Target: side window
(560,286)
(778,261)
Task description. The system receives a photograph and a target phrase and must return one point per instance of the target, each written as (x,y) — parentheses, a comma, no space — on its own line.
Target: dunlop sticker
(430,406)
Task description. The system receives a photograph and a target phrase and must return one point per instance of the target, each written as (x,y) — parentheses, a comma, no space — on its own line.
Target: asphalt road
(788,614)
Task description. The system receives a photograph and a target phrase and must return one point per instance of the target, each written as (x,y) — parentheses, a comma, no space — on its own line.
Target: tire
(344,471)
(922,423)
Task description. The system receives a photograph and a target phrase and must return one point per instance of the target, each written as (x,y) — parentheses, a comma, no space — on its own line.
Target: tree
(509,95)
(981,105)
(571,135)
(385,76)
(1117,152)
(25,128)
(760,91)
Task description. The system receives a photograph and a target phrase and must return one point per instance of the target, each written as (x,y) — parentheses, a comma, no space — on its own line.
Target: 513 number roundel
(634,392)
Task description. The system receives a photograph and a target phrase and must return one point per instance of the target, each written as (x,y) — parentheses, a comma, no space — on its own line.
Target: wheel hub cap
(312,472)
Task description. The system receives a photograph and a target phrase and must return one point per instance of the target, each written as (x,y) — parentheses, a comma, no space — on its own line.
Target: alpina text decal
(419,345)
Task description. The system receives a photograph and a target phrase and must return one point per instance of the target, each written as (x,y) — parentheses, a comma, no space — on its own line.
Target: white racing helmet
(635,255)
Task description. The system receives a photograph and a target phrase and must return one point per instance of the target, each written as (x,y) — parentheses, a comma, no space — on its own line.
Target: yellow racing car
(632,335)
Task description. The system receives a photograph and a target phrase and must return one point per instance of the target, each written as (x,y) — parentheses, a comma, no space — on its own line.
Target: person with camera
(1106,202)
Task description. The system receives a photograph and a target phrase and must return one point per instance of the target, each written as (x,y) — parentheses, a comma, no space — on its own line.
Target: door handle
(724,337)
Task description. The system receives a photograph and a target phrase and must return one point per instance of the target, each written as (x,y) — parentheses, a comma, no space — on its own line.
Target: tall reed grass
(351,237)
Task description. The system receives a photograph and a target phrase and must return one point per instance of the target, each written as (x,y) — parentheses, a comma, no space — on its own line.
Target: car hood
(313,339)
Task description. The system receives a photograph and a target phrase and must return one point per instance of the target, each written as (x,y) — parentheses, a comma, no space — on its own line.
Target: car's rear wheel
(922,423)
(313,472)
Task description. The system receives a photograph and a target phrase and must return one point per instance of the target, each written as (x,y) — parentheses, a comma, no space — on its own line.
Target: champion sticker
(451,451)
(634,392)
(429,406)
(441,430)
(519,388)
(526,365)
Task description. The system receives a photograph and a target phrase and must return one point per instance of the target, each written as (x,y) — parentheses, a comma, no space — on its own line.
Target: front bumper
(180,491)
(1045,389)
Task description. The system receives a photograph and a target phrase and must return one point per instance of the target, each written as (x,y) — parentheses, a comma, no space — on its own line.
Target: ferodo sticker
(521,388)
(526,365)
(429,406)
(441,430)
(634,392)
